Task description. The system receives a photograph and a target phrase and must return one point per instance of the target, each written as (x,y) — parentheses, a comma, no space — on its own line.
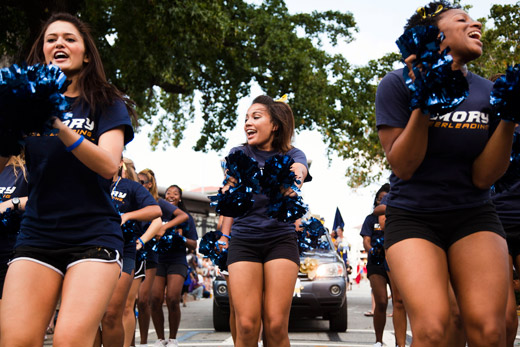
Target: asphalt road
(197,326)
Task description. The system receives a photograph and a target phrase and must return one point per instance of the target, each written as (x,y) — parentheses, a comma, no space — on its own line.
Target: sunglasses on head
(143,182)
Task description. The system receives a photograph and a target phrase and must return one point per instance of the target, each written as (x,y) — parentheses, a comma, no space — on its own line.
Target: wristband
(222,243)
(228,237)
(184,239)
(141,240)
(75,144)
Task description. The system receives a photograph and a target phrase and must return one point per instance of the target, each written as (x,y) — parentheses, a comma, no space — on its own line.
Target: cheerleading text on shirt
(82,126)
(118,196)
(6,193)
(461,120)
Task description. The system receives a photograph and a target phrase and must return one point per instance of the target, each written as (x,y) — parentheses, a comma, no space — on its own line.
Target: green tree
(501,40)
(160,52)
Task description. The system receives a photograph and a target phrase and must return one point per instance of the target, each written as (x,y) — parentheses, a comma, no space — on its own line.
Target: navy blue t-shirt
(256,223)
(369,229)
(443,181)
(507,202)
(177,255)
(129,196)
(70,205)
(12,185)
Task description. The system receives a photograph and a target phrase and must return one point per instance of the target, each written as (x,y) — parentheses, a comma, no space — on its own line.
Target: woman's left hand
(5,205)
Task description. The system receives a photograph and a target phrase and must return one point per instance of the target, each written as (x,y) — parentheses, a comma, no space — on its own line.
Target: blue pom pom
(505,96)
(377,252)
(209,248)
(10,222)
(437,88)
(277,174)
(170,240)
(238,200)
(129,229)
(310,238)
(30,97)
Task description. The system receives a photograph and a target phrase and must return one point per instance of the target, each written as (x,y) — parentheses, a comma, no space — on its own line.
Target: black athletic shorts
(172,269)
(60,260)
(442,228)
(264,250)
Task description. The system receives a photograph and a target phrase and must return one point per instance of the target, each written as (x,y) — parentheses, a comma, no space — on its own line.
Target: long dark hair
(283,118)
(181,202)
(430,14)
(92,83)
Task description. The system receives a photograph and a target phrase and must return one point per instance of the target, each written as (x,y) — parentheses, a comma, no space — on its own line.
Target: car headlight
(329,270)
(222,289)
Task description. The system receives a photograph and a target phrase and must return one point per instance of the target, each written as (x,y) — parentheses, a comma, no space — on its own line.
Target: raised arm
(493,162)
(144,214)
(102,158)
(405,148)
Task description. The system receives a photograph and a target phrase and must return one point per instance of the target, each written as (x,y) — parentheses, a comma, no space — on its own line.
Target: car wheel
(220,318)
(338,320)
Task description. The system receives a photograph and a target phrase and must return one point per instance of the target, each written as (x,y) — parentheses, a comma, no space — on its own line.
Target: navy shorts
(60,260)
(172,269)
(264,250)
(442,228)
(373,269)
(140,267)
(128,265)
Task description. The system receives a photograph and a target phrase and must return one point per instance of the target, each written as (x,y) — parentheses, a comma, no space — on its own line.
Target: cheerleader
(70,240)
(172,271)
(13,196)
(439,217)
(263,252)
(134,203)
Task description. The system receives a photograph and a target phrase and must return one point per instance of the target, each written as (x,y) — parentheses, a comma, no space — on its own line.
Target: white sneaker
(172,343)
(378,344)
(159,343)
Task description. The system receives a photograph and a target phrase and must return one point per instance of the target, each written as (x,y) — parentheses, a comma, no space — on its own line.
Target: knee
(381,303)
(248,327)
(110,319)
(173,301)
(276,329)
(156,303)
(489,333)
(430,333)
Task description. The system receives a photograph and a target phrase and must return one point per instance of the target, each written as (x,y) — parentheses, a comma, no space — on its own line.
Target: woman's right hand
(223,243)
(231,182)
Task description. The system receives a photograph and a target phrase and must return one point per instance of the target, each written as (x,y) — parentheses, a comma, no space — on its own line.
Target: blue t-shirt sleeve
(392,101)
(143,197)
(299,157)
(114,116)
(167,210)
(368,227)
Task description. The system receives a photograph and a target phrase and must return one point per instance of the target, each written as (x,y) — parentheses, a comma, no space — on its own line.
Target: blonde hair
(150,176)
(129,170)
(18,164)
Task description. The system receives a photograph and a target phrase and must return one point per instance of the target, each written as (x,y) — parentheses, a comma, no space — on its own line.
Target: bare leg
(479,272)
(129,313)
(29,298)
(378,284)
(279,280)
(156,305)
(113,333)
(399,314)
(143,304)
(247,303)
(173,299)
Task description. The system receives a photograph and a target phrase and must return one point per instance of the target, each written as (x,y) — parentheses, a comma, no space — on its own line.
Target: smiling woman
(439,215)
(70,241)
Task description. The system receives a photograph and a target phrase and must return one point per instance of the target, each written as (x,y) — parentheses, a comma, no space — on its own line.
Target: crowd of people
(83,228)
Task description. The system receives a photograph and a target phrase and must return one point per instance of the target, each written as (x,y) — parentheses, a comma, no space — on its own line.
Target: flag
(338,220)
